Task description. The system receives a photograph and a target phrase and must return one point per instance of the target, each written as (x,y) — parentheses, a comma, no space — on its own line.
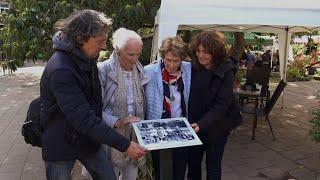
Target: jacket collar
(221,69)
(84,63)
(61,42)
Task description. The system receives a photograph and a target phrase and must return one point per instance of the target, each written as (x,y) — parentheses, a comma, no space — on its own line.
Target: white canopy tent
(283,17)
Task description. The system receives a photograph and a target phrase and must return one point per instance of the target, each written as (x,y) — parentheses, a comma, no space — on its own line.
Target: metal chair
(265,111)
(260,75)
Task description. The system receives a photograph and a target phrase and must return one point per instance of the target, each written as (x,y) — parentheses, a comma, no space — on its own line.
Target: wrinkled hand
(195,127)
(127,120)
(135,151)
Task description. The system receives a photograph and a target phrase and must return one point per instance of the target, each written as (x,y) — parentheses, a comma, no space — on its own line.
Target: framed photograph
(165,133)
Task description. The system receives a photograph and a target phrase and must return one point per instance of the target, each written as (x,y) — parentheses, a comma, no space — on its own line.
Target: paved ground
(293,155)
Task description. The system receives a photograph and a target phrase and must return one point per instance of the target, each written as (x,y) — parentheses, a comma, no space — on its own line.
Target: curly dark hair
(82,25)
(214,43)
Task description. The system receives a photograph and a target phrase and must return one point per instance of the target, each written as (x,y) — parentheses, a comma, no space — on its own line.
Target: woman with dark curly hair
(210,98)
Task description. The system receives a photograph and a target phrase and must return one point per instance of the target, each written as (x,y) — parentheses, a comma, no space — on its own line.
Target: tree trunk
(238,46)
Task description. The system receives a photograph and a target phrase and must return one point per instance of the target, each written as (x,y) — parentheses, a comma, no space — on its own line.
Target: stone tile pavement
(293,155)
(17,159)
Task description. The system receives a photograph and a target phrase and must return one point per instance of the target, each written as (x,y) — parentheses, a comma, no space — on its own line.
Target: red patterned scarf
(167,80)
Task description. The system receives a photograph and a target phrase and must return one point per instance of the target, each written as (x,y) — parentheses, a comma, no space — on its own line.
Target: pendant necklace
(172,98)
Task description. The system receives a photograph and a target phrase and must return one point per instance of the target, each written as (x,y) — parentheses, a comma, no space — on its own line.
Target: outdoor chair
(259,75)
(265,110)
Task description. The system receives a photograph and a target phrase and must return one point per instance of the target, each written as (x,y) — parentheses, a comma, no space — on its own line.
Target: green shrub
(296,48)
(240,75)
(296,73)
(318,94)
(315,122)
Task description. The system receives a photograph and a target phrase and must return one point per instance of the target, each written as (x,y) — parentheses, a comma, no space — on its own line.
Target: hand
(127,120)
(195,127)
(135,151)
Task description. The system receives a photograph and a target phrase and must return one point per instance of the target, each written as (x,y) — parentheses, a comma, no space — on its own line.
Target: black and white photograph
(165,133)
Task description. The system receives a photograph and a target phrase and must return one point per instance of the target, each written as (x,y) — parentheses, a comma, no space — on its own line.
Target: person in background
(314,61)
(167,96)
(211,95)
(71,103)
(266,58)
(276,61)
(123,79)
(299,60)
(251,58)
(314,56)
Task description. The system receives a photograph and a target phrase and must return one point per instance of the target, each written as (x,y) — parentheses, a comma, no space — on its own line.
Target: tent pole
(285,64)
(272,51)
(154,44)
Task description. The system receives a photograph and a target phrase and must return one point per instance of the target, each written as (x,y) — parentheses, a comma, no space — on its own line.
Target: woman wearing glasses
(167,96)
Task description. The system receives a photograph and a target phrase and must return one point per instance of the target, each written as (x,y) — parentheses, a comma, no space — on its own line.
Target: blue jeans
(98,165)
(214,152)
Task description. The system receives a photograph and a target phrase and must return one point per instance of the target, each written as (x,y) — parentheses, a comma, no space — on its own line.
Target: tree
(28,28)
(29,24)
(238,46)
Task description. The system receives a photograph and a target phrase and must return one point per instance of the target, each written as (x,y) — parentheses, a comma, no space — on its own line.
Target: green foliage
(315,122)
(296,73)
(275,77)
(29,24)
(29,28)
(149,175)
(241,74)
(146,51)
(297,48)
(318,94)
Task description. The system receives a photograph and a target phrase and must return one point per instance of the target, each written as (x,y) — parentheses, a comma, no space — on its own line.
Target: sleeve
(109,119)
(79,114)
(102,75)
(220,104)
(106,114)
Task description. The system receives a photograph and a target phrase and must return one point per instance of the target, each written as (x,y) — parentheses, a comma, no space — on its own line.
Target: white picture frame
(165,133)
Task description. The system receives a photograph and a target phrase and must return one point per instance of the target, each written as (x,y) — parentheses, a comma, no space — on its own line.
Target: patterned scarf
(167,80)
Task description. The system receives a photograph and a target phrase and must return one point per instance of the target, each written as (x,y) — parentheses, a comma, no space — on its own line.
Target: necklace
(172,98)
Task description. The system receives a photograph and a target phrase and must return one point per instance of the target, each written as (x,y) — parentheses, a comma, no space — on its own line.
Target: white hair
(121,37)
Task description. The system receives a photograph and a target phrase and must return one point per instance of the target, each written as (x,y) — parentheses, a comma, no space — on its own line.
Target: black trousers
(179,163)
(214,152)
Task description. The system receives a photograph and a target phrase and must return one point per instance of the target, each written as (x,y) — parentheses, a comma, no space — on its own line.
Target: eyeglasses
(173,60)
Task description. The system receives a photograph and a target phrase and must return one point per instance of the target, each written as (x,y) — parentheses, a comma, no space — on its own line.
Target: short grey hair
(121,36)
(174,45)
(84,24)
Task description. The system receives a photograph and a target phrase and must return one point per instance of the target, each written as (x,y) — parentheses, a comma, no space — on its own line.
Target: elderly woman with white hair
(122,80)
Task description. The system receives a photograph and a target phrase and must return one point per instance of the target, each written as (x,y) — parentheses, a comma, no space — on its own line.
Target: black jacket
(71,105)
(211,95)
